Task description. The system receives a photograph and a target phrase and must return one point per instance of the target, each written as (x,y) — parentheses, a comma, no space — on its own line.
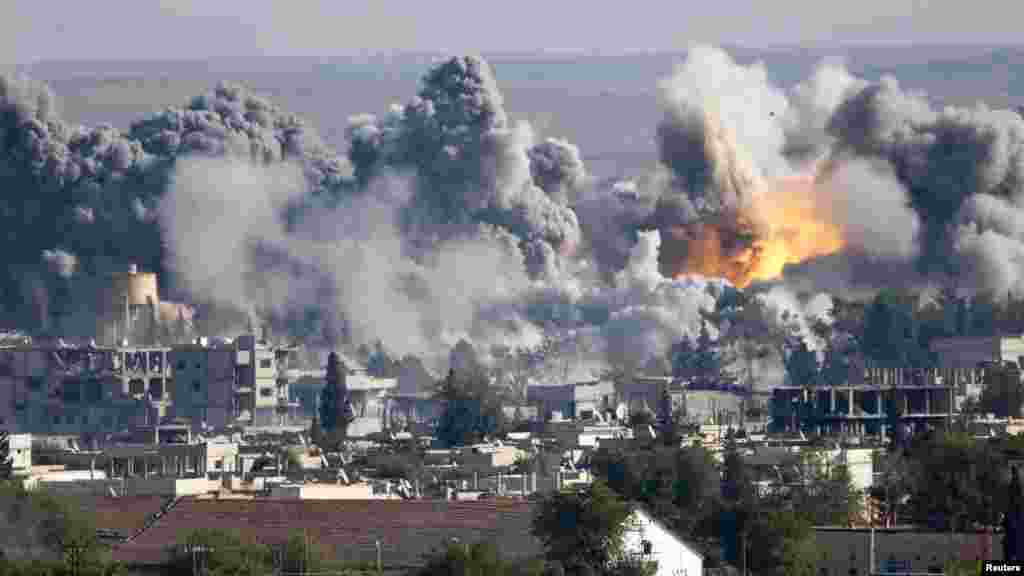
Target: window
(35,383)
(136,386)
(71,393)
(646,547)
(266,363)
(94,391)
(181,364)
(156,388)
(266,392)
(196,385)
(56,419)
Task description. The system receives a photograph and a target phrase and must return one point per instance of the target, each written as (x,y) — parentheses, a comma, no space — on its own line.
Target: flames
(784,222)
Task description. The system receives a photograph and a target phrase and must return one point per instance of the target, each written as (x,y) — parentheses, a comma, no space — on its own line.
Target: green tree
(889,335)
(219,553)
(670,425)
(476,559)
(828,496)
(984,315)
(316,433)
(329,397)
(683,358)
(784,545)
(50,528)
(303,554)
(954,481)
(739,505)
(471,411)
(335,405)
(584,527)
(707,362)
(680,486)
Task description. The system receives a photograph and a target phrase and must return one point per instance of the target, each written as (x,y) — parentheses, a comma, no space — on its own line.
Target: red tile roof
(350,528)
(123,515)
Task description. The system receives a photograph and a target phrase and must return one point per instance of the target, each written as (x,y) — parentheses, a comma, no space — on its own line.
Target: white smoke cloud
(859,192)
(450,220)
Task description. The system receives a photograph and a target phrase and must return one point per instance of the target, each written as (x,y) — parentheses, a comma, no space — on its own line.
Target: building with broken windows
(70,390)
(57,389)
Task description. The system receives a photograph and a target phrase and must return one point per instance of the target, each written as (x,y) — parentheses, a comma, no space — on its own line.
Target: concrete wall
(846,550)
(674,557)
(702,406)
(134,486)
(551,399)
(361,491)
(498,457)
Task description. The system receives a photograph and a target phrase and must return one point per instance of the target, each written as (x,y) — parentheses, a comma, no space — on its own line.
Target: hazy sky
(49,29)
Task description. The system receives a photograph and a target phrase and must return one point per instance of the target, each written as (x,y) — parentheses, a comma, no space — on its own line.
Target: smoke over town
(446,219)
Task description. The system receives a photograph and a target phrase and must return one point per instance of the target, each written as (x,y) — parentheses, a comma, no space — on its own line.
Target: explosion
(787,221)
(795,225)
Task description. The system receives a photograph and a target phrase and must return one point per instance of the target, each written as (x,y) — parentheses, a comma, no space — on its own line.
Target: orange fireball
(785,222)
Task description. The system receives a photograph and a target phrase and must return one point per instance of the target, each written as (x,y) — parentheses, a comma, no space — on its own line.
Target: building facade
(588,400)
(96,391)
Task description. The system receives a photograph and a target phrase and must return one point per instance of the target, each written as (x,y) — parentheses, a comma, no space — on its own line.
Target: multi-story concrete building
(242,383)
(963,361)
(581,400)
(920,398)
(96,391)
(645,393)
(55,389)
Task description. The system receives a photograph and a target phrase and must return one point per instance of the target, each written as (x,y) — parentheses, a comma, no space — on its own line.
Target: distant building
(581,400)
(370,396)
(130,311)
(96,391)
(63,390)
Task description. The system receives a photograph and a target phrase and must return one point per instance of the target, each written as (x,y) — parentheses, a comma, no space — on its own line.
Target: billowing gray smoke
(82,201)
(470,165)
(448,221)
(924,195)
(962,170)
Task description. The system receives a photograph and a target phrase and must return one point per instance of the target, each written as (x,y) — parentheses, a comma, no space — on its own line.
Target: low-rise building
(587,400)
(16,453)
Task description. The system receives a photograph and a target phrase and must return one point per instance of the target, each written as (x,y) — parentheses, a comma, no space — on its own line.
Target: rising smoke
(447,221)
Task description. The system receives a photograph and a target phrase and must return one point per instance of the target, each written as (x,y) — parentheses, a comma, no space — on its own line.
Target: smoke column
(446,219)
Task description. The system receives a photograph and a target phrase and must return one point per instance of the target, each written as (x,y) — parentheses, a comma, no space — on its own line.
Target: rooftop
(406,530)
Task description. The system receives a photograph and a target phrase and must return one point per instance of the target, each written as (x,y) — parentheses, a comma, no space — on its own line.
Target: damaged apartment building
(132,379)
(921,398)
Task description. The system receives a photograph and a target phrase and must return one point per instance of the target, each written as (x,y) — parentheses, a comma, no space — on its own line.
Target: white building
(17,449)
(649,539)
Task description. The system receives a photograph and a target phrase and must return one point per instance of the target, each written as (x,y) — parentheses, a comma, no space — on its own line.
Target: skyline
(162,30)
